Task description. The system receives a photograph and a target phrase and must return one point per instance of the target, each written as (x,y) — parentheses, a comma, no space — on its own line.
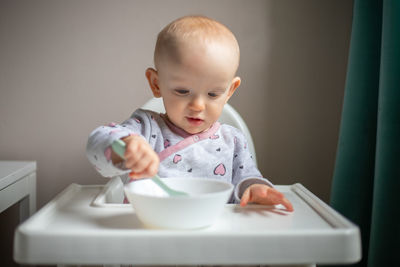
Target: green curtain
(366,181)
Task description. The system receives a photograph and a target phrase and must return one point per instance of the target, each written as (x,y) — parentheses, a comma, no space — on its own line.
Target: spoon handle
(119,147)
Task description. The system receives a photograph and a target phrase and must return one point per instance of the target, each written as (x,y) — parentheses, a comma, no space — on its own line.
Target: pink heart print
(166,143)
(114,131)
(107,153)
(177,158)
(220,170)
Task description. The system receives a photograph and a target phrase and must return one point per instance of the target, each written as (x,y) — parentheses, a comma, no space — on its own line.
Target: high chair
(90,225)
(229,116)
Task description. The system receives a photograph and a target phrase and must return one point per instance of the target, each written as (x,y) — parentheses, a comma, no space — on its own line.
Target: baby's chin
(197,131)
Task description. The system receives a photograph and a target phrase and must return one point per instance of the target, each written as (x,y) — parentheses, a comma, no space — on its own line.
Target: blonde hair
(192,27)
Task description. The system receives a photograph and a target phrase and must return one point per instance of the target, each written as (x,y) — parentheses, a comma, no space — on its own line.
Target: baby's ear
(152,78)
(234,85)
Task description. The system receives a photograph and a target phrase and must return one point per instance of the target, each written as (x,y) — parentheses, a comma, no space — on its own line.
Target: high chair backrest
(228,116)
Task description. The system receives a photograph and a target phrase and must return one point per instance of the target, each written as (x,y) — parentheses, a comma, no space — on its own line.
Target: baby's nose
(197,104)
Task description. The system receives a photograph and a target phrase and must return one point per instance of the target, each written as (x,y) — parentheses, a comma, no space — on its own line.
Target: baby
(196,59)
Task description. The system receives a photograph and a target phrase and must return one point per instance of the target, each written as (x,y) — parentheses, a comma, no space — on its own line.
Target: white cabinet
(18,185)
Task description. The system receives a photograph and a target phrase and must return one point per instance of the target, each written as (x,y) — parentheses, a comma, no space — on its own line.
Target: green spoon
(119,147)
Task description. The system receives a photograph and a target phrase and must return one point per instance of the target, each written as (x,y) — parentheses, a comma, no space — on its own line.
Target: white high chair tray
(71,230)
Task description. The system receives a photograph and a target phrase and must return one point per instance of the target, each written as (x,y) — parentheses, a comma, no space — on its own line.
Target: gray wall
(69,66)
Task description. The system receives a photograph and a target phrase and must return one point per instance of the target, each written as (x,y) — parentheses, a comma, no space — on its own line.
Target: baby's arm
(265,195)
(250,185)
(99,150)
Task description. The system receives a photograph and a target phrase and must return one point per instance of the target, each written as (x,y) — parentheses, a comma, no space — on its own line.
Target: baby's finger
(135,176)
(286,203)
(132,150)
(142,164)
(274,196)
(152,169)
(132,159)
(245,198)
(148,171)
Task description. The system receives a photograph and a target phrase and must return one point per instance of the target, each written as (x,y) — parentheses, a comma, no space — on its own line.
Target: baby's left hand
(265,195)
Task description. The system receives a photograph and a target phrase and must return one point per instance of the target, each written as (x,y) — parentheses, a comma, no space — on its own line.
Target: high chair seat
(228,116)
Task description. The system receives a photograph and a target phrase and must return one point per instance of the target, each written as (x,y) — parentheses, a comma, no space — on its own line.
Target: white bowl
(204,203)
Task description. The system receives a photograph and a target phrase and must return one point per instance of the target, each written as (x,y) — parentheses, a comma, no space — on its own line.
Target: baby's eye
(213,95)
(181,91)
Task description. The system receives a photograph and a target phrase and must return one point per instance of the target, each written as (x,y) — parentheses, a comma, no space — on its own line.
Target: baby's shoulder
(233,133)
(146,116)
(229,129)
(145,113)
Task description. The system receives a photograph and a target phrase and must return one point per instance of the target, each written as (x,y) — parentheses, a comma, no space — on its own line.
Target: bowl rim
(189,196)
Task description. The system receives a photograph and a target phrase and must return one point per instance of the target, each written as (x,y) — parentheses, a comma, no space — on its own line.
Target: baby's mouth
(194,121)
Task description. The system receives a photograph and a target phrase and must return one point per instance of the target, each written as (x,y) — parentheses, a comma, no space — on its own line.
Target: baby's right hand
(140,157)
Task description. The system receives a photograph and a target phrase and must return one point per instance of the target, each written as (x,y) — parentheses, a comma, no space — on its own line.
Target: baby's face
(196,87)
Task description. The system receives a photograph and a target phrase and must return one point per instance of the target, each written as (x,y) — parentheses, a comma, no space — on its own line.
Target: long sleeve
(244,170)
(98,147)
